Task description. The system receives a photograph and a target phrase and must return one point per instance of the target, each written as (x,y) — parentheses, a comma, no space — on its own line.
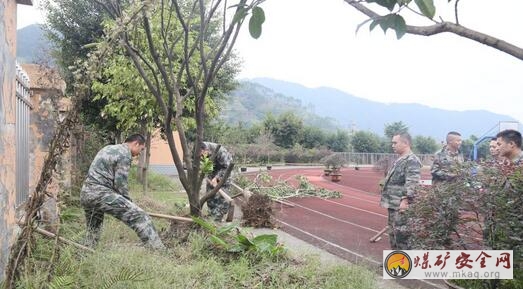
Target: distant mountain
(362,114)
(251,102)
(31,44)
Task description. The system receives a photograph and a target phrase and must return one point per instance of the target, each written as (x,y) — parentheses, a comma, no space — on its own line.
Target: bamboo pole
(377,237)
(169,217)
(62,239)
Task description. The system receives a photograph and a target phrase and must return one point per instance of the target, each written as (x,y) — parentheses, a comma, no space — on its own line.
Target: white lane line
(360,199)
(334,218)
(434,285)
(329,243)
(355,208)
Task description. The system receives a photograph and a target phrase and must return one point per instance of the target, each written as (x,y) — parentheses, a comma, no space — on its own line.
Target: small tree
(334,161)
(425,145)
(178,56)
(392,129)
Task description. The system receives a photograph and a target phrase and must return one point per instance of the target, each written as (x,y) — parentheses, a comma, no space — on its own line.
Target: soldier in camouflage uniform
(509,146)
(105,190)
(447,161)
(399,190)
(217,205)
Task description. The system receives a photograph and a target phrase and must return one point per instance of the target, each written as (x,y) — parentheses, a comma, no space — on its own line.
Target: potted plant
(333,164)
(327,171)
(335,175)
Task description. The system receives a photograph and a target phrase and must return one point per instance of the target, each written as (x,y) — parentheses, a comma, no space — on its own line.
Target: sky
(316,45)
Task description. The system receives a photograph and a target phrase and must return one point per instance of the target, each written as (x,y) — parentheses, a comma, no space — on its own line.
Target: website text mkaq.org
(462,275)
(451,264)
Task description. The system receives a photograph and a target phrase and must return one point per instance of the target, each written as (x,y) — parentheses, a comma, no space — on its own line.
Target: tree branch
(450,27)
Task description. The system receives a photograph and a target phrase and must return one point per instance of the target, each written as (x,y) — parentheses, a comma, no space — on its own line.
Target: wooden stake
(62,239)
(169,217)
(377,237)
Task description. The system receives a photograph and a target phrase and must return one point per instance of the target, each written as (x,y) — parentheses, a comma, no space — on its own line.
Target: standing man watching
(217,205)
(493,148)
(105,191)
(509,145)
(399,190)
(446,163)
(494,151)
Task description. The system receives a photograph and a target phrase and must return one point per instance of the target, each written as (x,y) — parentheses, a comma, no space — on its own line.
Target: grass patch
(121,262)
(189,266)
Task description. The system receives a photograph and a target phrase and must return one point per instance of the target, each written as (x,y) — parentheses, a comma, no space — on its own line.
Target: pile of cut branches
(279,190)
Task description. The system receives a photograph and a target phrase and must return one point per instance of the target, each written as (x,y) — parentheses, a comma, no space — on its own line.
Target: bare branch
(456,11)
(213,192)
(452,28)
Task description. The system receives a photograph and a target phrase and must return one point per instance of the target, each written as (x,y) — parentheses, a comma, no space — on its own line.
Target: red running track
(341,226)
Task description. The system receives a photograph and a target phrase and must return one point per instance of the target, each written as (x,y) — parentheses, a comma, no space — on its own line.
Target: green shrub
(479,210)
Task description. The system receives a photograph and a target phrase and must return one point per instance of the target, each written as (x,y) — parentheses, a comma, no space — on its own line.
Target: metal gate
(23,111)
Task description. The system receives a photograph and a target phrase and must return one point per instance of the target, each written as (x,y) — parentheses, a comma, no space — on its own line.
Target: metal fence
(380,159)
(23,111)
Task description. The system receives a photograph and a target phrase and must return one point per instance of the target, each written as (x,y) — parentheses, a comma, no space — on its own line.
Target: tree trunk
(143,155)
(194,203)
(145,168)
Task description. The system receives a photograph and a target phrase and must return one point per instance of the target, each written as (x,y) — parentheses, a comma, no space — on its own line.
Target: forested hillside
(251,102)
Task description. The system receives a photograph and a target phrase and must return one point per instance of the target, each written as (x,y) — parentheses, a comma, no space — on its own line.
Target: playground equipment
(502,125)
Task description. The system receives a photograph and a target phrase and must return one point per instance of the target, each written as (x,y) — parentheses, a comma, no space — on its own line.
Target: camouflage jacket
(445,165)
(109,171)
(221,162)
(401,181)
(518,160)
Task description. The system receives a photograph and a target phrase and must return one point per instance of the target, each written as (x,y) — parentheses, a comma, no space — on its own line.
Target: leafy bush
(233,240)
(480,209)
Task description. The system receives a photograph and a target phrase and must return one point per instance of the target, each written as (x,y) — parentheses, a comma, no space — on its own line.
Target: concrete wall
(160,152)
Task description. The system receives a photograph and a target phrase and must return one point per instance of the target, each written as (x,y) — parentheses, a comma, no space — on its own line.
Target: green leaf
(218,241)
(265,243)
(226,229)
(426,7)
(256,21)
(389,4)
(240,14)
(403,2)
(385,23)
(394,21)
(242,239)
(374,23)
(236,248)
(206,225)
(399,25)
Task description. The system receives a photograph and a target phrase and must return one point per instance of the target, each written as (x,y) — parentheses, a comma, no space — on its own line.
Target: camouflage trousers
(217,205)
(124,210)
(398,231)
